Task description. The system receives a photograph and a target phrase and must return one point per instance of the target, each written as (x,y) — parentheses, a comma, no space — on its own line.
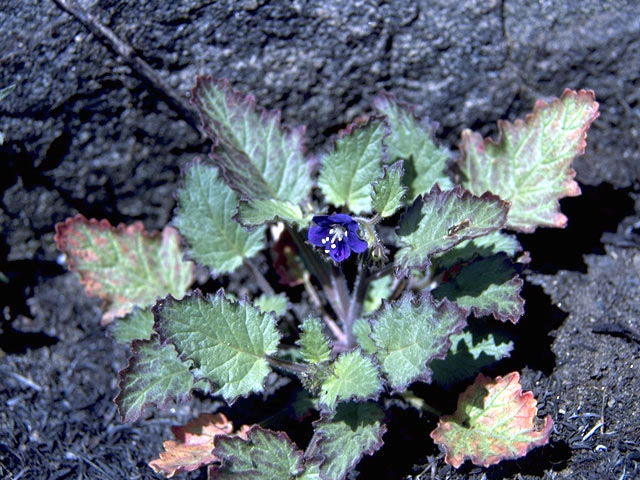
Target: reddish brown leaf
(494,421)
(124,265)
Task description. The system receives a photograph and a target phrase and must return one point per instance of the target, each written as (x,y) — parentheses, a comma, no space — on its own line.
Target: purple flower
(337,234)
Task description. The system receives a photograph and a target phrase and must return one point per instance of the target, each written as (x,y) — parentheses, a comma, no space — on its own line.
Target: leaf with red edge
(494,421)
(260,159)
(530,164)
(194,444)
(125,266)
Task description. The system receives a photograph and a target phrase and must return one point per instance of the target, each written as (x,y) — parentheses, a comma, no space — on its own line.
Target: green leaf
(227,341)
(410,140)
(206,206)
(494,421)
(388,192)
(484,246)
(154,376)
(353,375)
(470,351)
(409,335)
(530,164)
(378,290)
(137,325)
(257,212)
(260,159)
(314,346)
(355,430)
(441,220)
(487,286)
(273,303)
(362,332)
(124,266)
(264,455)
(347,173)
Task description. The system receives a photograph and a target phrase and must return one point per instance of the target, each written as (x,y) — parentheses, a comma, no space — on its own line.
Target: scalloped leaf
(388,192)
(441,220)
(137,325)
(257,212)
(314,347)
(347,173)
(362,333)
(277,303)
(379,290)
(206,206)
(353,375)
(413,141)
(260,159)
(355,430)
(263,455)
(154,376)
(124,266)
(494,421)
(530,164)
(471,350)
(485,246)
(193,446)
(227,341)
(408,335)
(487,286)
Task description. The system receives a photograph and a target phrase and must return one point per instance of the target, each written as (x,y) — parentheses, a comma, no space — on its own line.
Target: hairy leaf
(314,346)
(194,445)
(353,375)
(206,206)
(470,351)
(260,159)
(378,290)
(154,376)
(124,266)
(259,211)
(441,220)
(494,421)
(355,430)
(227,341)
(388,192)
(410,140)
(484,246)
(487,286)
(409,335)
(263,455)
(277,304)
(362,332)
(137,325)
(347,173)
(530,164)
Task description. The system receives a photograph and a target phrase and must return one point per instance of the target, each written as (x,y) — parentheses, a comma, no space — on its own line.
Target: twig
(141,68)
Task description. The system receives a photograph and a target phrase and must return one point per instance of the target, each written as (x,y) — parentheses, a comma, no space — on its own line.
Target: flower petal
(323,220)
(316,234)
(341,252)
(341,219)
(356,243)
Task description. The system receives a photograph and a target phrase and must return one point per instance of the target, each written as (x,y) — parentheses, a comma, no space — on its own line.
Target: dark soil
(85,134)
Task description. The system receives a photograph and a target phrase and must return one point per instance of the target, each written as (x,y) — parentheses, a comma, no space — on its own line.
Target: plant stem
(262,282)
(315,299)
(286,365)
(357,298)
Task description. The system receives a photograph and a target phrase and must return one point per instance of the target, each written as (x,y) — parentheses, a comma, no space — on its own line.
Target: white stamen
(332,230)
(326,251)
(346,234)
(333,245)
(324,240)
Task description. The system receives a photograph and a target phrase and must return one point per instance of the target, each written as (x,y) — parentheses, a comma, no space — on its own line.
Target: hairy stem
(315,299)
(262,282)
(286,365)
(357,299)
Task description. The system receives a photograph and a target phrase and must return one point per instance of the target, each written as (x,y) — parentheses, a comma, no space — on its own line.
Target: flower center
(336,234)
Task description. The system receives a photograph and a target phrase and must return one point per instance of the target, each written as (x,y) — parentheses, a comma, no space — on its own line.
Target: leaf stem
(286,365)
(262,282)
(357,298)
(315,299)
